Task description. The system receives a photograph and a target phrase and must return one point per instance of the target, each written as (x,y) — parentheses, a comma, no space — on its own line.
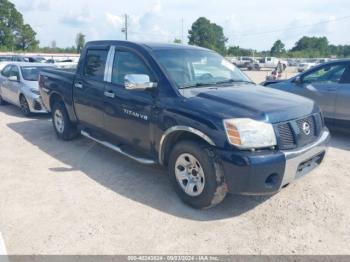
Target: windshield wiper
(234,81)
(197,85)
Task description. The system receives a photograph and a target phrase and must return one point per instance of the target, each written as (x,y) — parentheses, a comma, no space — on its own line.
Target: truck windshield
(194,68)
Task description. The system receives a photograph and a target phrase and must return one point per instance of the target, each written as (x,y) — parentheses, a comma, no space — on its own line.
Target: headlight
(247,133)
(35,91)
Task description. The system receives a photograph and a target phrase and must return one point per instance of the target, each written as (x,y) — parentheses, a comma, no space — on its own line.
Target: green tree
(209,35)
(80,42)
(278,48)
(177,41)
(312,46)
(25,39)
(11,23)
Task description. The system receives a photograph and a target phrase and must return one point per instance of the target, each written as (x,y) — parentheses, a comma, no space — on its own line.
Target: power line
(292,28)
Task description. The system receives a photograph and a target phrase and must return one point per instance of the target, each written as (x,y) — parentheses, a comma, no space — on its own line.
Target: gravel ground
(81,198)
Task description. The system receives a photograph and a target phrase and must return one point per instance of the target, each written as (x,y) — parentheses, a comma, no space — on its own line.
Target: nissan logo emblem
(306,128)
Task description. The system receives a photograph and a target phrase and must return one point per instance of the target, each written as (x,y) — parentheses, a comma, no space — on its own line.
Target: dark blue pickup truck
(190,110)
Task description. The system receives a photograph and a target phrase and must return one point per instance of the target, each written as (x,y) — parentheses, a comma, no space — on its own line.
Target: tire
(197,162)
(64,128)
(2,101)
(25,109)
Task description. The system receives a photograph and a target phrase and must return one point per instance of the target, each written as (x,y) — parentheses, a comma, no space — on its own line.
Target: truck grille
(298,133)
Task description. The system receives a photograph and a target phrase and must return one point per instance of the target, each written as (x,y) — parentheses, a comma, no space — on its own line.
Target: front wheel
(197,175)
(64,128)
(25,109)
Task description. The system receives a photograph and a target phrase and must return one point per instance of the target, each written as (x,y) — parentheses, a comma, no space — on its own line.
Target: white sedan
(19,86)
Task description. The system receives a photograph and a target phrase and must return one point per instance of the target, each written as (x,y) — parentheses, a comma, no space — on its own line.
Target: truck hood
(249,101)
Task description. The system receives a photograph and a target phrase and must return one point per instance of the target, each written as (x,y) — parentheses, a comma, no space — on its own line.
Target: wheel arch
(178,133)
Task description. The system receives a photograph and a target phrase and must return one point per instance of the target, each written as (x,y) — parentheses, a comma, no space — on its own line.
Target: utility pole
(125,28)
(182,31)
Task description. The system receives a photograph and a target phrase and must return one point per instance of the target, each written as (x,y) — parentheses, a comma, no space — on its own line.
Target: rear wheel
(24,106)
(197,175)
(64,128)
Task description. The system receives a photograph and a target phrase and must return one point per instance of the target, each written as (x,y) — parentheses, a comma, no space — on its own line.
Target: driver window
(128,63)
(326,74)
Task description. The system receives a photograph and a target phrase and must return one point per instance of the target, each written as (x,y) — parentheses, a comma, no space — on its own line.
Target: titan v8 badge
(135,114)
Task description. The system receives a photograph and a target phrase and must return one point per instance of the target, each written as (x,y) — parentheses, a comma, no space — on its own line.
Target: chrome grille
(299,133)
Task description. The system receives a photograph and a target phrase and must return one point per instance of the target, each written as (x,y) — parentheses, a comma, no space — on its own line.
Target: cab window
(95,63)
(127,63)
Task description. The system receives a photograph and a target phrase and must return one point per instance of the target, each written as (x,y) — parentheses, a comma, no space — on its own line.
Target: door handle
(109,94)
(78,85)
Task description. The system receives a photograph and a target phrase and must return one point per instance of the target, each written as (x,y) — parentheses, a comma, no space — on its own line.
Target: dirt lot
(81,198)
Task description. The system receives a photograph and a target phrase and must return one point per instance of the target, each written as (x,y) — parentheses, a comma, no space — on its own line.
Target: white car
(305,66)
(19,86)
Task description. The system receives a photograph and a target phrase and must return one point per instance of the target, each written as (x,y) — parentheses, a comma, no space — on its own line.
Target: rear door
(321,85)
(343,97)
(128,112)
(89,88)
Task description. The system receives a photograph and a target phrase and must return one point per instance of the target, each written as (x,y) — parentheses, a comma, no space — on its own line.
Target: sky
(248,23)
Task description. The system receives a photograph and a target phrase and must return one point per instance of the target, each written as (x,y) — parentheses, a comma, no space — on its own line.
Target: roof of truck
(149,45)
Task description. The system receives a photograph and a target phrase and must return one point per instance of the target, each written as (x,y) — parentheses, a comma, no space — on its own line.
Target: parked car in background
(64,63)
(271,62)
(19,86)
(303,66)
(329,85)
(190,110)
(245,62)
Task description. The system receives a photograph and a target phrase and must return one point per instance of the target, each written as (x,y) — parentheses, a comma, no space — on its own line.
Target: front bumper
(266,172)
(36,105)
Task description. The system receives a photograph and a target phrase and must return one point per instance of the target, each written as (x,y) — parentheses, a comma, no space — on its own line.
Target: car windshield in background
(192,68)
(31,73)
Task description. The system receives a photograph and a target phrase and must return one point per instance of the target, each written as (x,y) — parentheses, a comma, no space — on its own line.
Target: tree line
(15,35)
(210,35)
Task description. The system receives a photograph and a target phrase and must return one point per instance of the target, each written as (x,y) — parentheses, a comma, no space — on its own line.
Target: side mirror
(298,80)
(138,82)
(13,78)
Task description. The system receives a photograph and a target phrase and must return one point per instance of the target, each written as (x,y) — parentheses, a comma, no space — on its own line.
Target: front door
(13,87)
(342,113)
(128,113)
(321,85)
(89,89)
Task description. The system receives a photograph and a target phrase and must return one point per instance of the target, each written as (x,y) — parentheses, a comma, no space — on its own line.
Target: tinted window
(346,76)
(95,63)
(127,63)
(328,73)
(6,71)
(14,71)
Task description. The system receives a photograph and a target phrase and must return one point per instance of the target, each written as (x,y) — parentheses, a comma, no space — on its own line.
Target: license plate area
(310,164)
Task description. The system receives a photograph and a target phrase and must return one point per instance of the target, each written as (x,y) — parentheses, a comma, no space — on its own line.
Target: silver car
(329,85)
(19,86)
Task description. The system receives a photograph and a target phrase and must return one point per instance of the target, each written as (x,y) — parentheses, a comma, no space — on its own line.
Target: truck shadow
(145,184)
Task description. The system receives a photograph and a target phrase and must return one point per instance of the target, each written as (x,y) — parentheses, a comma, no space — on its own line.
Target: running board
(119,150)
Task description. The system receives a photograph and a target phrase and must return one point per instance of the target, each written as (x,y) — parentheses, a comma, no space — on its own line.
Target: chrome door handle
(109,94)
(78,85)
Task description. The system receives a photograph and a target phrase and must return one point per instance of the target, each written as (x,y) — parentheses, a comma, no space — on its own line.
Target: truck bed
(58,81)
